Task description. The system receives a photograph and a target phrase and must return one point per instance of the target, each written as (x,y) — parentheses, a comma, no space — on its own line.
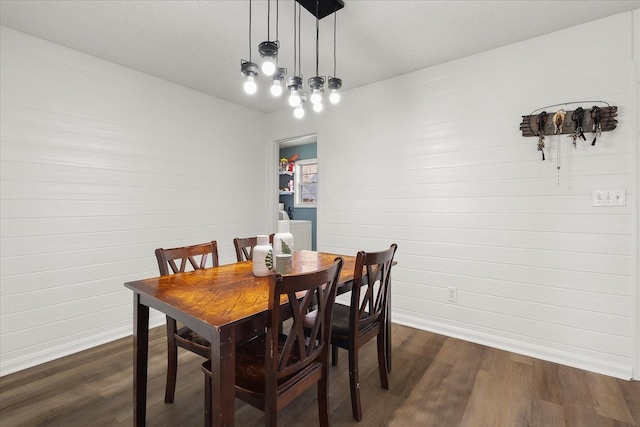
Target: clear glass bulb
(294,99)
(250,85)
(276,88)
(316,96)
(268,67)
(298,112)
(317,107)
(335,96)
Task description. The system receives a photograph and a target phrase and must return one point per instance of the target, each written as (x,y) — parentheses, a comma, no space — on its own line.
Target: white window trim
(297,203)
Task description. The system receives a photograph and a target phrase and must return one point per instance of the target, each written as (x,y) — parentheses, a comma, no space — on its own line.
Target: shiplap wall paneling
(437,164)
(101,165)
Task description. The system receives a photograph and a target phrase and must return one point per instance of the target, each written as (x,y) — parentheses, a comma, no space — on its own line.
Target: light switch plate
(609,197)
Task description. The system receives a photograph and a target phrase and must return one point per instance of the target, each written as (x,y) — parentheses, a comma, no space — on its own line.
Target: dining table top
(223,295)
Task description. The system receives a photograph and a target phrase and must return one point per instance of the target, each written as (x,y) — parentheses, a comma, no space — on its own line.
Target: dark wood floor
(436,381)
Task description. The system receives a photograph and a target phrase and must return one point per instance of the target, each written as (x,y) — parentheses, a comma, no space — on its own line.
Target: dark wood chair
(244,247)
(275,367)
(364,319)
(190,258)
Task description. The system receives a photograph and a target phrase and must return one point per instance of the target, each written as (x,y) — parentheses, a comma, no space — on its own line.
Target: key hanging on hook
(558,157)
(596,117)
(541,121)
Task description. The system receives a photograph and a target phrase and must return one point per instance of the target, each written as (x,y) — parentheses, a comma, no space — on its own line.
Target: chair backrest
(303,290)
(369,295)
(244,247)
(191,258)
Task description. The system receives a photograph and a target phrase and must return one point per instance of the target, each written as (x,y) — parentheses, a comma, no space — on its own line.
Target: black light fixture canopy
(335,83)
(268,49)
(325,8)
(294,82)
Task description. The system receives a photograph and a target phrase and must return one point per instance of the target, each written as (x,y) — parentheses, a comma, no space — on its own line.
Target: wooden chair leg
(323,399)
(354,382)
(382,360)
(172,369)
(334,355)
(270,415)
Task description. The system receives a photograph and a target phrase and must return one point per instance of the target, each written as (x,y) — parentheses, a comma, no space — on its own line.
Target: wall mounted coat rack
(608,122)
(555,120)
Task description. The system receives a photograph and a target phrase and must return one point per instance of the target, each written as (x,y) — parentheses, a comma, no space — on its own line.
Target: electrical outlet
(452,294)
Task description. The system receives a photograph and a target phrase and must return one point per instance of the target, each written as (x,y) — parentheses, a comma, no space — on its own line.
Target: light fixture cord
(269,20)
(249,30)
(295,55)
(335,20)
(299,40)
(317,34)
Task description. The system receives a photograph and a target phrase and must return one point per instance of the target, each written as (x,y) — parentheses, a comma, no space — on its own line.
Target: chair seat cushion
(339,320)
(250,363)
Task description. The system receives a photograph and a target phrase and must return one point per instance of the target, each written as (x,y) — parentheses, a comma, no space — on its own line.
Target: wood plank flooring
(436,381)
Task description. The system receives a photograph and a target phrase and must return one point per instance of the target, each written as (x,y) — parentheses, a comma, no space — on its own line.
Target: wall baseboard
(562,358)
(31,360)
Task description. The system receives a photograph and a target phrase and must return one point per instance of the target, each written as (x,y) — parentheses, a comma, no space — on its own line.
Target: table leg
(223,355)
(140,357)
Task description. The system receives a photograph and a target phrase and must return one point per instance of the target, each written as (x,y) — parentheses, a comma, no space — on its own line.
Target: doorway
(297,188)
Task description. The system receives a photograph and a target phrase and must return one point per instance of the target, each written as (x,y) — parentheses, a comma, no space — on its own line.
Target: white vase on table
(262,257)
(283,239)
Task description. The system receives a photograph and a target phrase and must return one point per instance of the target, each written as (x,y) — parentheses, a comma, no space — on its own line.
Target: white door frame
(293,141)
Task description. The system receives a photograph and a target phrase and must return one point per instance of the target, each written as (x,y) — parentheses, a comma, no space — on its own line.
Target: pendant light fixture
(334,84)
(317,83)
(248,68)
(278,75)
(294,83)
(269,49)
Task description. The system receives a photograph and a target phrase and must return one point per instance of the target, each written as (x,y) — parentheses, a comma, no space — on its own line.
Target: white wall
(100,165)
(434,161)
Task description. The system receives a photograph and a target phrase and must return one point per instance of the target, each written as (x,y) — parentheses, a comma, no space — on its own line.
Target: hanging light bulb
(334,86)
(276,88)
(294,98)
(250,85)
(334,97)
(294,83)
(249,70)
(334,83)
(298,112)
(316,84)
(278,76)
(269,51)
(316,98)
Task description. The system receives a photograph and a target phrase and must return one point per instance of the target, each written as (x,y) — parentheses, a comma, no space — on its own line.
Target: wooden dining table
(224,305)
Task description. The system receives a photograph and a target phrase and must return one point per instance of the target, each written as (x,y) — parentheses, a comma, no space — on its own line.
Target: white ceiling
(199,44)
